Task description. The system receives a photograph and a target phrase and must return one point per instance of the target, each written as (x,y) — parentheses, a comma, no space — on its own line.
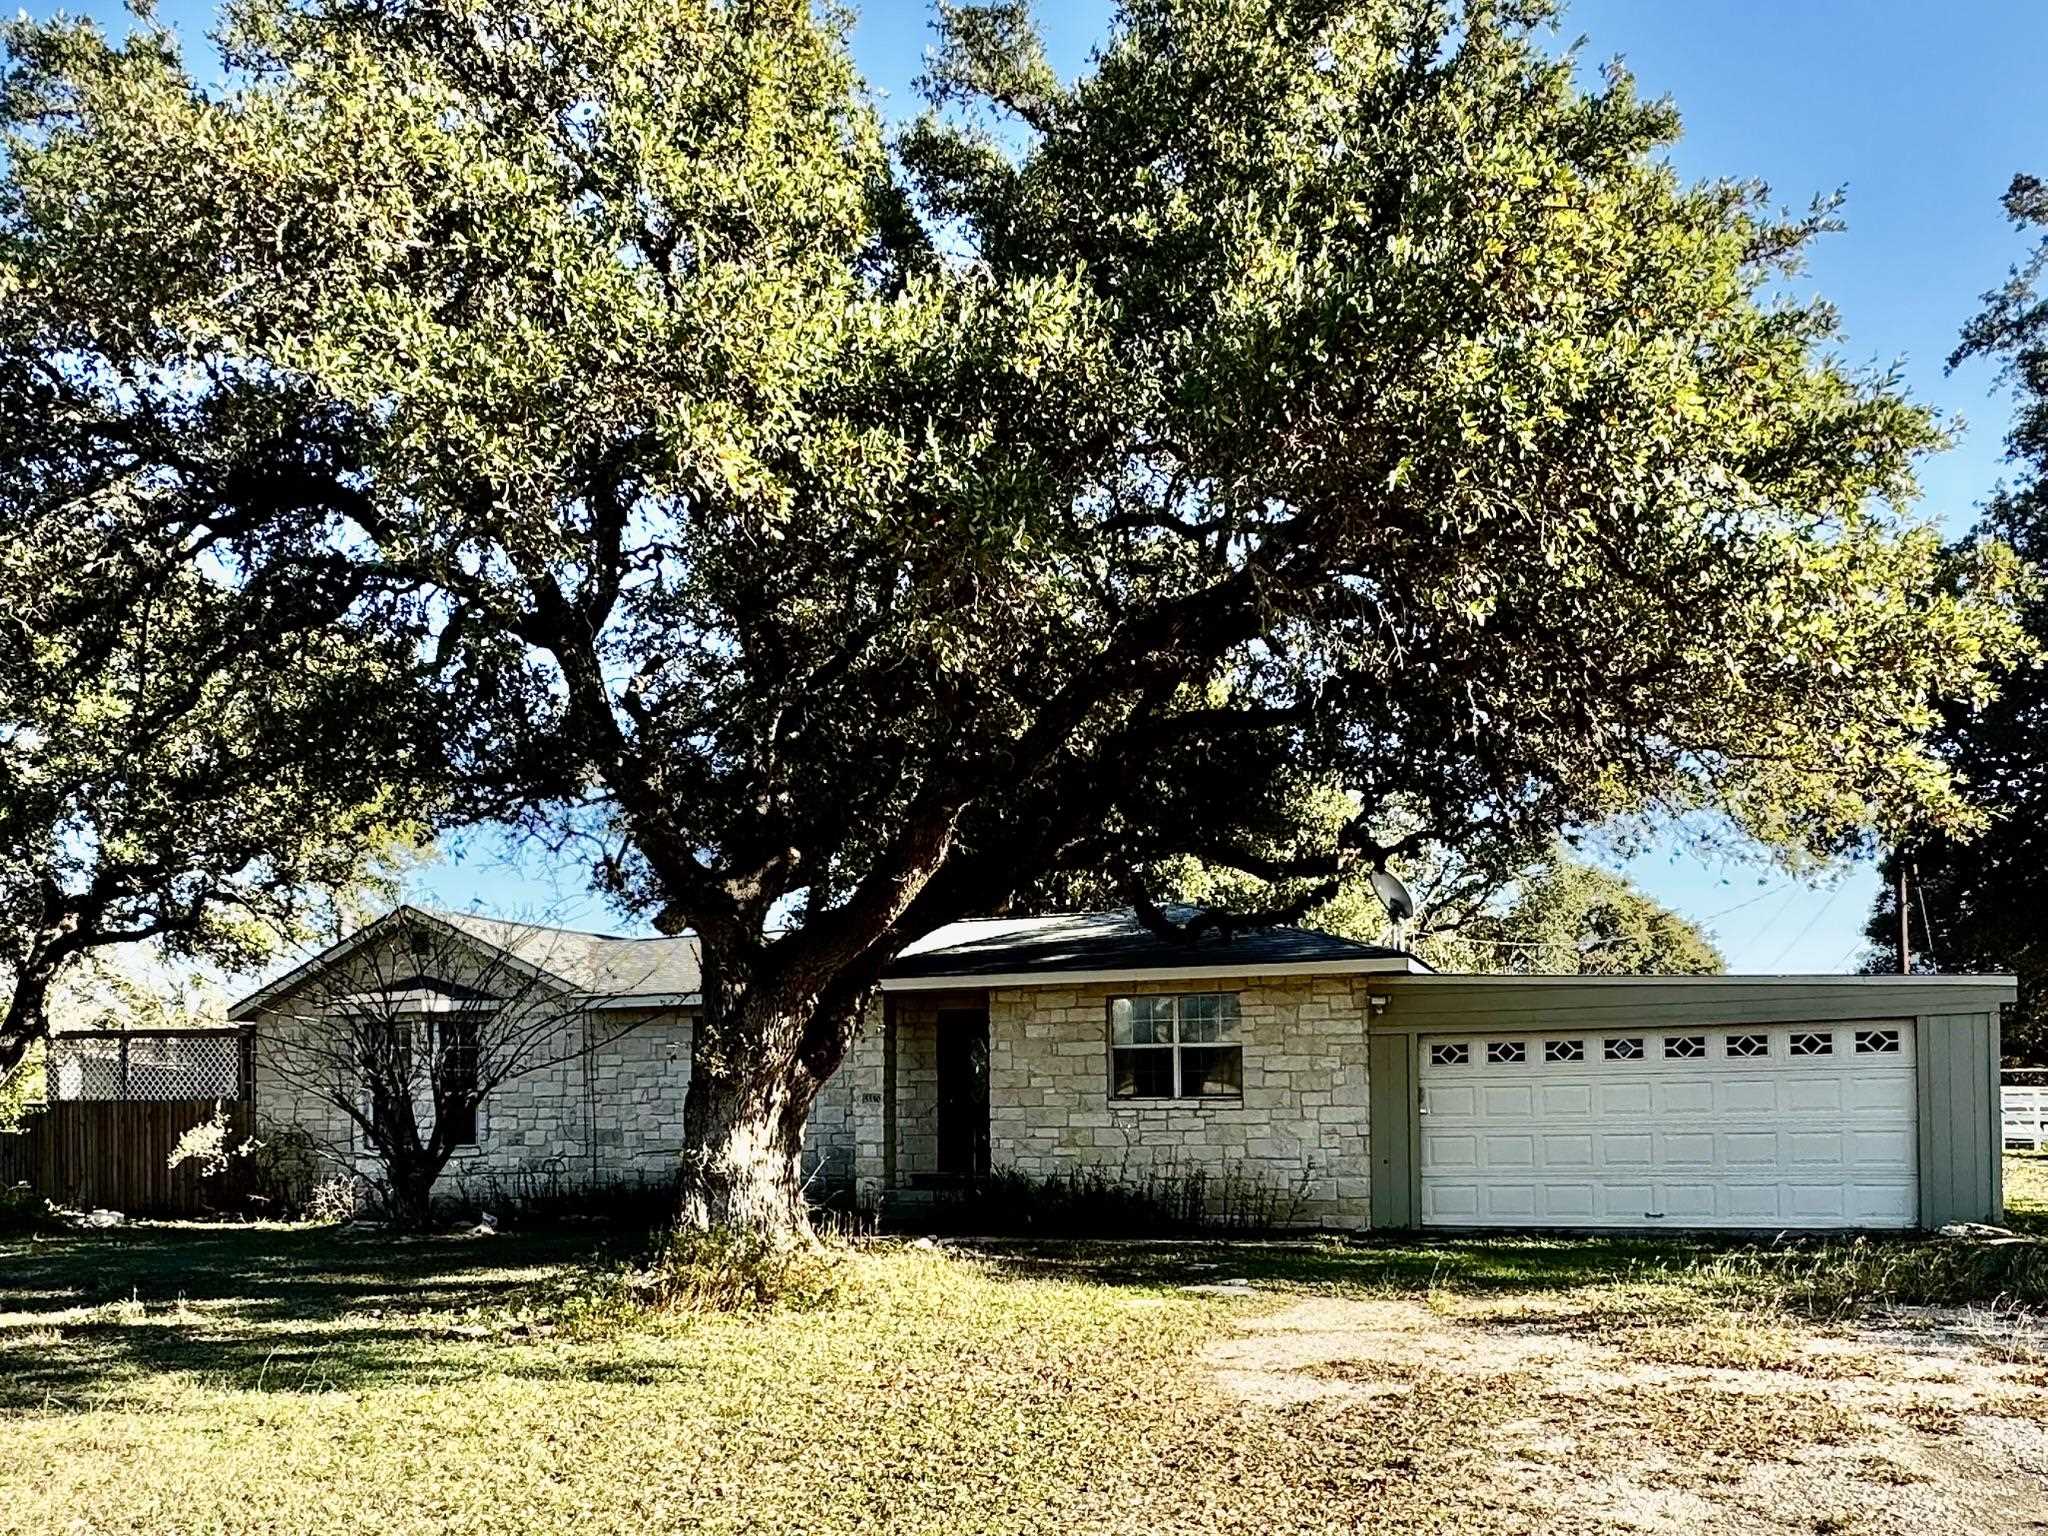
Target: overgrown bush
(544,1193)
(24,1209)
(208,1145)
(1157,1200)
(284,1170)
(702,1273)
(331,1202)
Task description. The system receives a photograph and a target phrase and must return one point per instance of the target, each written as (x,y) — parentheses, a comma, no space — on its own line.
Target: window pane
(1207,1018)
(1141,1021)
(1212,1071)
(1141,1074)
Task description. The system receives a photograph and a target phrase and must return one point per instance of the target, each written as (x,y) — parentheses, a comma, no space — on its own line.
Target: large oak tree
(845,534)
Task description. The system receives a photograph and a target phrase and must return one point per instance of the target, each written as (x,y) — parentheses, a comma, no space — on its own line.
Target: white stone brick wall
(608,1108)
(1299,1132)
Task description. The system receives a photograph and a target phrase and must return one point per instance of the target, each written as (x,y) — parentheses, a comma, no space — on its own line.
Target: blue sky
(1920,112)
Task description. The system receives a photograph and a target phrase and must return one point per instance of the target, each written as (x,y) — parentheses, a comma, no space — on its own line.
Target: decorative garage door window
(1624,1050)
(1813,1043)
(1564,1050)
(1685,1047)
(1877,1042)
(1178,1046)
(1749,1047)
(1505,1052)
(1449,1053)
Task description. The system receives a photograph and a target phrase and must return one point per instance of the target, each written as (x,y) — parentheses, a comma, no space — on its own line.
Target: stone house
(1314,1080)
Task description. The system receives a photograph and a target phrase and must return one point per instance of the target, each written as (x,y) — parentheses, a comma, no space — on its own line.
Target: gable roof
(622,972)
(601,964)
(1076,946)
(1110,945)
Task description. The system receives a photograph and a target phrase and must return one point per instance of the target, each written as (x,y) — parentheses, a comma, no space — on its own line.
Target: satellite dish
(1393,895)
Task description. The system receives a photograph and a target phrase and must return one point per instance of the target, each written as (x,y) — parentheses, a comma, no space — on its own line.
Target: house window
(1179,1046)
(432,1066)
(1744,1047)
(1623,1050)
(458,1072)
(1564,1050)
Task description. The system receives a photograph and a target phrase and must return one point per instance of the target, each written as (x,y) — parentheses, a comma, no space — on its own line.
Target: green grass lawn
(188,1379)
(2026,1191)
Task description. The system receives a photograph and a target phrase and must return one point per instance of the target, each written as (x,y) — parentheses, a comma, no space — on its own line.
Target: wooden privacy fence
(115,1154)
(118,1103)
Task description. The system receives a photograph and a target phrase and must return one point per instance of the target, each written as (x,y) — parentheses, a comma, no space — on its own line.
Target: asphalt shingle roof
(1113,941)
(610,966)
(602,964)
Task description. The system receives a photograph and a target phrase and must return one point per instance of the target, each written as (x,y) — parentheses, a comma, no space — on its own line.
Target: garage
(1743,1127)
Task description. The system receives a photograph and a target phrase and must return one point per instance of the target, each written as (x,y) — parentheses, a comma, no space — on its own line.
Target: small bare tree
(406,1038)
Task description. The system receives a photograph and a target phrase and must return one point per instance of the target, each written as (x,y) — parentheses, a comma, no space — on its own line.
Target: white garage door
(1733,1127)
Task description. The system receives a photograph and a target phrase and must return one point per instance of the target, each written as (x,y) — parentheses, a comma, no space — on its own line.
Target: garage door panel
(1743,1148)
(1870,1094)
(1687,1204)
(1567,1202)
(1681,1096)
(1453,1101)
(1509,1202)
(1816,1202)
(1887,1204)
(1807,1149)
(1627,1149)
(1508,1103)
(1450,1201)
(1746,1092)
(1568,1153)
(1886,1148)
(1693,1148)
(1751,1204)
(1627,1205)
(1566,1101)
(1449,1151)
(1621,1098)
(1809,1093)
(1820,1135)
(1508,1152)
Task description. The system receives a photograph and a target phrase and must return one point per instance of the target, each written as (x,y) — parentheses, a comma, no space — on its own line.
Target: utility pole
(1905,922)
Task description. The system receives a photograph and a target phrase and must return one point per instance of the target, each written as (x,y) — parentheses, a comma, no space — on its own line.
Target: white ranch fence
(2026,1117)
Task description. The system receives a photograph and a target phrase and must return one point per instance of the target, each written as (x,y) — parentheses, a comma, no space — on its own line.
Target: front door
(963,1092)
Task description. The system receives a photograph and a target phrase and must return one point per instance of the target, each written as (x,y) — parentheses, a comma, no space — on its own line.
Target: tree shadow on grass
(1364,1265)
(87,1317)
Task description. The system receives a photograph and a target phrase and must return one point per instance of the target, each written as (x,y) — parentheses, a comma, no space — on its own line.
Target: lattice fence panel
(207,1066)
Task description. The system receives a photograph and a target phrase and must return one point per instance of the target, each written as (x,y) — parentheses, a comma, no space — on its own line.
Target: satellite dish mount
(1398,901)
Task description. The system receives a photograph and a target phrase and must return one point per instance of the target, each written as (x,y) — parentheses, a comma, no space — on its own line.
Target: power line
(1802,933)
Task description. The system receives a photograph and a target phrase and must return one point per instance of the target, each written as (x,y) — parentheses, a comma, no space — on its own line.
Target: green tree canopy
(856,533)
(1568,918)
(201,758)
(1979,904)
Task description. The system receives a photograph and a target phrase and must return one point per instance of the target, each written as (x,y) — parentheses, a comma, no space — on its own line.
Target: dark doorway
(963,1092)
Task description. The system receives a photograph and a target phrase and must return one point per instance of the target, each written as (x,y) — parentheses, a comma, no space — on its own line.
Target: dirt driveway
(1530,1416)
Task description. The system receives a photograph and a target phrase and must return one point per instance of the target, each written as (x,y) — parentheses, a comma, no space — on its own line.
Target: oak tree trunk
(755,1073)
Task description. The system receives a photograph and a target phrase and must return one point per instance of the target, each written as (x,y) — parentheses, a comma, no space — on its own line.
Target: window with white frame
(1181,1045)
